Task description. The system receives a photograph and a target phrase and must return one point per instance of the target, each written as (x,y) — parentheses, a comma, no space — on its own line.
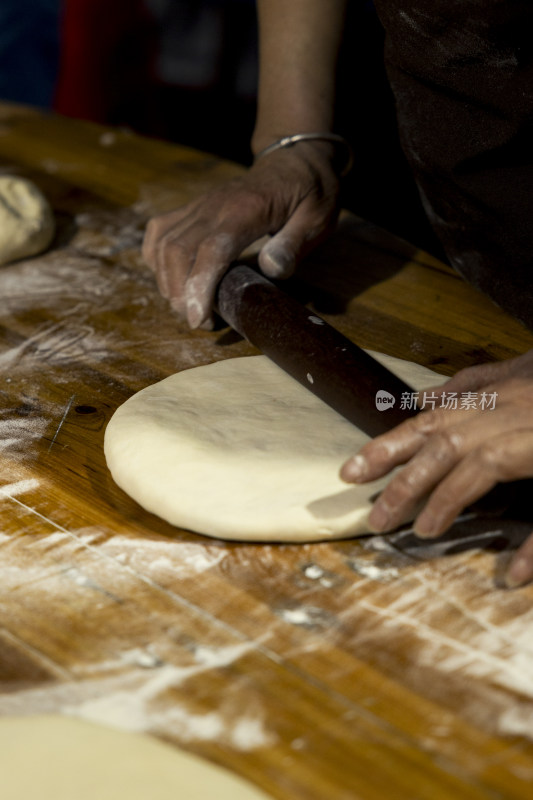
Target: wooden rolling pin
(311,351)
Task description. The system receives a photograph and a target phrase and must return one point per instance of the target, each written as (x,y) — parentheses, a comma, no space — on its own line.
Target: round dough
(51,757)
(239,450)
(26,219)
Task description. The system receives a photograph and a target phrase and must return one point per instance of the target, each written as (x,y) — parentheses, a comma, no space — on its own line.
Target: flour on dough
(26,219)
(52,757)
(239,450)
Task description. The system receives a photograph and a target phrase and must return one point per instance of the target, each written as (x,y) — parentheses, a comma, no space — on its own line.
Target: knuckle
(219,245)
(493,457)
(468,377)
(468,372)
(425,424)
(445,497)
(175,254)
(239,197)
(522,365)
(447,445)
(154,238)
(153,228)
(403,487)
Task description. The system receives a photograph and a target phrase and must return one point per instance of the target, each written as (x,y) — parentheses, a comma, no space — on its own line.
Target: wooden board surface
(359,669)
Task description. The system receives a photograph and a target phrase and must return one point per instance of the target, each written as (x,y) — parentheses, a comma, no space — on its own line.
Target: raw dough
(52,757)
(239,450)
(26,219)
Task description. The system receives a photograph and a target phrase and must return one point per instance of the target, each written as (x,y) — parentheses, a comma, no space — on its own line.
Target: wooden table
(345,670)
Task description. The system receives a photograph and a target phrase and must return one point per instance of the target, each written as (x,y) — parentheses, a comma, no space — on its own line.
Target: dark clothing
(462,75)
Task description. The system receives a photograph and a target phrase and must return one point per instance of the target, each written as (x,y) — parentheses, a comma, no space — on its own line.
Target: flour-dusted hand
(456,455)
(290,194)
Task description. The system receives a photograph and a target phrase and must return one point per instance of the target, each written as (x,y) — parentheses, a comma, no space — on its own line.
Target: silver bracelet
(289,141)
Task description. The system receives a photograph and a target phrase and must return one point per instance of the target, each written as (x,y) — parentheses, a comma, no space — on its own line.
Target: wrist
(333,146)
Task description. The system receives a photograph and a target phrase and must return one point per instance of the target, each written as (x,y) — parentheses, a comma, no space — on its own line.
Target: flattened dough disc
(51,757)
(240,450)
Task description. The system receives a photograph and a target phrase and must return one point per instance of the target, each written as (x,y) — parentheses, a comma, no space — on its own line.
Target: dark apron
(462,76)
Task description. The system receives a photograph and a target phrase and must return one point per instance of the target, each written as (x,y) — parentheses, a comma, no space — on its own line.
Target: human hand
(453,457)
(291,194)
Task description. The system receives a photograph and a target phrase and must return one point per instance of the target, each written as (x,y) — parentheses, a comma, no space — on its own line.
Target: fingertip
(207,324)
(276,263)
(194,316)
(194,310)
(198,317)
(425,526)
(354,469)
(519,573)
(196,301)
(379,517)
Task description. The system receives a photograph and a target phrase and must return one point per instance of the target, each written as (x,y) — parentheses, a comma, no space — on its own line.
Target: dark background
(186,70)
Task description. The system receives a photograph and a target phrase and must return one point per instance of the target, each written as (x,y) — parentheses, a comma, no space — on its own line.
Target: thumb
(279,257)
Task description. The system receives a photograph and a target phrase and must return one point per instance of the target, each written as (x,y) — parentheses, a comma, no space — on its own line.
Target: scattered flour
(516,721)
(130,701)
(306,616)
(20,487)
(374,572)
(133,708)
(165,555)
(313,572)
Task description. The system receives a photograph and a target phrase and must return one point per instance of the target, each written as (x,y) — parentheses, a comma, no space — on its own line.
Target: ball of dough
(26,220)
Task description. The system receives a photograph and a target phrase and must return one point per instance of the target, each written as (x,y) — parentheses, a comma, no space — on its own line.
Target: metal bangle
(290,141)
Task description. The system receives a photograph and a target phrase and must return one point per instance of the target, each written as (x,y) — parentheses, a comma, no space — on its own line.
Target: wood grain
(347,670)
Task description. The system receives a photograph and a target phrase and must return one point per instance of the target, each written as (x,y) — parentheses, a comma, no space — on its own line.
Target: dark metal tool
(469,531)
(311,351)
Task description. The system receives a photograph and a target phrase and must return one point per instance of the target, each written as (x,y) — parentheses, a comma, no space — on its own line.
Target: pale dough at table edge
(54,757)
(27,223)
(176,449)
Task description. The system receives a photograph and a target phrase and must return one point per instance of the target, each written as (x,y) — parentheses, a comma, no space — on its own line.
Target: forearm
(291,194)
(299,46)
